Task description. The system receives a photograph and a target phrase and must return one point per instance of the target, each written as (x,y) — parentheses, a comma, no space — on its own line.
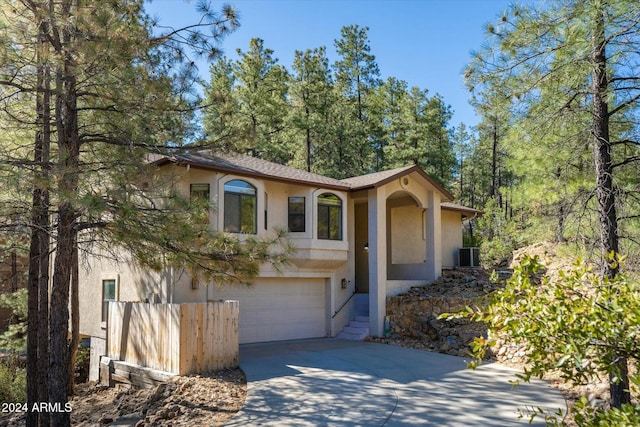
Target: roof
(466,211)
(374,179)
(244,165)
(377,179)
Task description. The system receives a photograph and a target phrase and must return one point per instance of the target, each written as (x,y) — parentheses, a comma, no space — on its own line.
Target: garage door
(279,309)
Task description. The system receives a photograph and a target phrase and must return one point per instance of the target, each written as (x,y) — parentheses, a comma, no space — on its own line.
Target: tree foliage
(15,337)
(578,326)
(557,89)
(338,120)
(88,90)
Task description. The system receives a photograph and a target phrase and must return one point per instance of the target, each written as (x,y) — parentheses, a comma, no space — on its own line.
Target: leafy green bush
(579,326)
(498,236)
(13,381)
(81,368)
(15,337)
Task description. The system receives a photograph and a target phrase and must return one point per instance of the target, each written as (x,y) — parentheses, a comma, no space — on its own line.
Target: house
(377,234)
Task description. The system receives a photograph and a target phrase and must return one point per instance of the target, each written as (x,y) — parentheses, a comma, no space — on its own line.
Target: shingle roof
(251,166)
(378,179)
(371,179)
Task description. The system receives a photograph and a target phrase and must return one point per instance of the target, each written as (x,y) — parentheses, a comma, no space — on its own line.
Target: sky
(427,43)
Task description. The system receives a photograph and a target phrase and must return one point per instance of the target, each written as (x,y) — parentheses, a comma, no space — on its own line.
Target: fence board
(177,338)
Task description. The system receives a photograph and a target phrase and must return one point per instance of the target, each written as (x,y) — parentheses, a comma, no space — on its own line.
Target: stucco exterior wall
(402,218)
(408,238)
(132,284)
(451,237)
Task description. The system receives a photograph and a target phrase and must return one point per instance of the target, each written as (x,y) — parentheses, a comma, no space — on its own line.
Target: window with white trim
(240,207)
(109,293)
(296,221)
(329,217)
(199,196)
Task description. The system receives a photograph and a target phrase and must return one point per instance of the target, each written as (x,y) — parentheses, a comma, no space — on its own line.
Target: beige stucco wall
(451,237)
(410,216)
(408,236)
(132,284)
(315,258)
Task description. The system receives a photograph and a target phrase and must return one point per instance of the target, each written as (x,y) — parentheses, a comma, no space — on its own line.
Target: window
(108,294)
(296,214)
(329,217)
(199,196)
(240,207)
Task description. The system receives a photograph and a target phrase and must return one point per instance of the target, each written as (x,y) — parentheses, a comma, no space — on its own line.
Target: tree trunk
(59,316)
(619,382)
(75,320)
(14,271)
(38,271)
(306,110)
(67,176)
(32,312)
(494,160)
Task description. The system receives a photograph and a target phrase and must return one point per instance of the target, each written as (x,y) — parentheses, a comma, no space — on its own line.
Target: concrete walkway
(330,382)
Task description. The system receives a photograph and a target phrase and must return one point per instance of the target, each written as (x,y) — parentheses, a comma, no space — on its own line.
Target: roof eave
(426,176)
(248,173)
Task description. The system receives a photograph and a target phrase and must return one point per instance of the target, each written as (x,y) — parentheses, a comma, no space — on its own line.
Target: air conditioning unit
(469,257)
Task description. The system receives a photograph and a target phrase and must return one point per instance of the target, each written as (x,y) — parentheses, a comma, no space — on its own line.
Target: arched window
(329,217)
(240,207)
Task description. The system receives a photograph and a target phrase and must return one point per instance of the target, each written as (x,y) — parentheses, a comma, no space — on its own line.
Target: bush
(578,326)
(15,337)
(13,381)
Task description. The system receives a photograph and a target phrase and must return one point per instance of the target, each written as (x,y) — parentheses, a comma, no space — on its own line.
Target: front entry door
(362,248)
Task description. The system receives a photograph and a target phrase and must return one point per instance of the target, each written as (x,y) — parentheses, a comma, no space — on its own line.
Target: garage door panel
(279,309)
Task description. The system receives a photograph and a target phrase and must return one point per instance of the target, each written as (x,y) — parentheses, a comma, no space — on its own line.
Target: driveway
(330,382)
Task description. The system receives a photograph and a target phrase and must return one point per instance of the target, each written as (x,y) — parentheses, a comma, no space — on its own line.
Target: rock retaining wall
(417,319)
(415,323)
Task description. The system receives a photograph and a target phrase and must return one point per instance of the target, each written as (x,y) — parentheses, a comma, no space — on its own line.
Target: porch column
(434,236)
(377,261)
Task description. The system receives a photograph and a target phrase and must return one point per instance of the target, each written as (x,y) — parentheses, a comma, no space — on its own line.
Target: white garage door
(279,309)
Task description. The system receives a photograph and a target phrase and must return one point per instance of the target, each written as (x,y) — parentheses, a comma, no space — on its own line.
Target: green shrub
(578,326)
(15,337)
(13,381)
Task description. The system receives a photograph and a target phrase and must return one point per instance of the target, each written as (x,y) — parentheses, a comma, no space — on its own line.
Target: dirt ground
(203,400)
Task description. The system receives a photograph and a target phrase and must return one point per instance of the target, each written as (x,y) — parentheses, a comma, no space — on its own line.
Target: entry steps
(358,329)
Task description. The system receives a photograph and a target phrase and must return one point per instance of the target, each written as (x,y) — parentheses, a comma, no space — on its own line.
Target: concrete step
(362,304)
(351,336)
(356,330)
(356,324)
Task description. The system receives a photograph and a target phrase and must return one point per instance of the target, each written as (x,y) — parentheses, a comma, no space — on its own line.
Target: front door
(362,248)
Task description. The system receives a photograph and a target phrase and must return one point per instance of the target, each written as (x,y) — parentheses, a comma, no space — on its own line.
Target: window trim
(240,195)
(297,214)
(340,206)
(208,198)
(105,278)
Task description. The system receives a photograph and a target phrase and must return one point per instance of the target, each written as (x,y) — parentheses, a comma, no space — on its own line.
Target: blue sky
(424,42)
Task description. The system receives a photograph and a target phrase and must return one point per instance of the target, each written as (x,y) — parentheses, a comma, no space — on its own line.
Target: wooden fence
(177,338)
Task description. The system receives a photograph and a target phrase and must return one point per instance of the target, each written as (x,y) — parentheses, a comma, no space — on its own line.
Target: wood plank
(176,338)
(200,338)
(174,328)
(125,368)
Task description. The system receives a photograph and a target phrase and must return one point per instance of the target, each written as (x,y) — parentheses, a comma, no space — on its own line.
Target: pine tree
(90,126)
(357,75)
(311,102)
(563,61)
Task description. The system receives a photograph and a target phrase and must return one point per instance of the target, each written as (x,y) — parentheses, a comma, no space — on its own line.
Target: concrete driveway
(330,382)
